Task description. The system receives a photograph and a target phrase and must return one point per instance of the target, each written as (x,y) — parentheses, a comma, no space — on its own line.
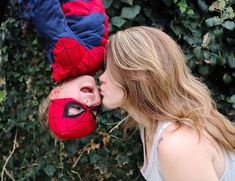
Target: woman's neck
(141,119)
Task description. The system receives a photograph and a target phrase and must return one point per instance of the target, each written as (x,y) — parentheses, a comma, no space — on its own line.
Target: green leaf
(233,105)
(49,170)
(107,3)
(2,96)
(233,74)
(35,42)
(202,5)
(218,32)
(215,47)
(197,52)
(102,165)
(204,70)
(220,59)
(190,12)
(230,25)
(117,21)
(130,2)
(206,54)
(191,40)
(231,61)
(182,9)
(110,28)
(130,12)
(213,59)
(168,2)
(232,99)
(210,22)
(176,28)
(227,78)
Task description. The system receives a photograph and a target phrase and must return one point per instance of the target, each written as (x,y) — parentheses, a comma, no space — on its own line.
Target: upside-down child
(76,33)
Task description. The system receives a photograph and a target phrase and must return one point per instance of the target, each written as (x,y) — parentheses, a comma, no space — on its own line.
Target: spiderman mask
(70,119)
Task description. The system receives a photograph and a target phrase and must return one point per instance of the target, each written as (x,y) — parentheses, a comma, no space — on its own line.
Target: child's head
(69,111)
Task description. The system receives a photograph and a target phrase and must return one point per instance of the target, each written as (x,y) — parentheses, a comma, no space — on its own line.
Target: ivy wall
(205,31)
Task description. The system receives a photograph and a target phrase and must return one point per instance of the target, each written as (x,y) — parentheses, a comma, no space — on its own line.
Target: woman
(184,136)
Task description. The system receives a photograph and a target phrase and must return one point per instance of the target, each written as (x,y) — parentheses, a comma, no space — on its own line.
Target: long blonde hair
(150,67)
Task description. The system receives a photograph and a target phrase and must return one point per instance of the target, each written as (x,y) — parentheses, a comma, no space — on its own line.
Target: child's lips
(87,89)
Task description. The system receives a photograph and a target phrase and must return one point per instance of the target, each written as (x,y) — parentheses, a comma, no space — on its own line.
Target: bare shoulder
(181,149)
(178,137)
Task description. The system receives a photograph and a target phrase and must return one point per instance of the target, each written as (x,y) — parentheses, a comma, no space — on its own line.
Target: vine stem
(118,124)
(8,158)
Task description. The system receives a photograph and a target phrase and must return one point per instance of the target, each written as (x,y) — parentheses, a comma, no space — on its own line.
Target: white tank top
(151,172)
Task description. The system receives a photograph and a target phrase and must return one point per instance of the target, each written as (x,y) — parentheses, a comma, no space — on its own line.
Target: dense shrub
(205,31)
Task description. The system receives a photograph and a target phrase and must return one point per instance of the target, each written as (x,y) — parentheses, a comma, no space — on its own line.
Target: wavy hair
(150,67)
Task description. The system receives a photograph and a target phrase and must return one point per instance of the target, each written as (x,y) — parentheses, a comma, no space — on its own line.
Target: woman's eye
(75,111)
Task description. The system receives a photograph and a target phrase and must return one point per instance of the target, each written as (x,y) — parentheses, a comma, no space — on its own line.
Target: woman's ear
(54,93)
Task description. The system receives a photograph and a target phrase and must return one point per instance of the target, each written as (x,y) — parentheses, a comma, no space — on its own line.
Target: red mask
(66,125)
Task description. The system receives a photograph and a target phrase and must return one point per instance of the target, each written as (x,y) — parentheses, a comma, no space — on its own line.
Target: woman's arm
(183,156)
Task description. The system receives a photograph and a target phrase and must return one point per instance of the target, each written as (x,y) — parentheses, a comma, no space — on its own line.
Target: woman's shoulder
(179,137)
(185,138)
(181,147)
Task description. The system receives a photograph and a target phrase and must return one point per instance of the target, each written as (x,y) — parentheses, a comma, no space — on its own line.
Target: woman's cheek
(108,103)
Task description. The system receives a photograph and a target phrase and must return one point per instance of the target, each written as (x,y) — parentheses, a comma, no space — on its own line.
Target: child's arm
(76,34)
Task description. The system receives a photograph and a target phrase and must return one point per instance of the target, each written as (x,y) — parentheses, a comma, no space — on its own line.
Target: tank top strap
(229,170)
(162,126)
(153,159)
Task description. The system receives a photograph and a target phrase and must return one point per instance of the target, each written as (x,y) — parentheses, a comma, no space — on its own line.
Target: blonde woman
(184,136)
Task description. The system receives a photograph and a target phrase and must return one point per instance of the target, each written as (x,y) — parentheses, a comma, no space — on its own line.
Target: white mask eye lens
(73,110)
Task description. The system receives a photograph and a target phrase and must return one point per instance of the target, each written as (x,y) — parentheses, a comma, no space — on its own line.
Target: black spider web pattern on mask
(82,117)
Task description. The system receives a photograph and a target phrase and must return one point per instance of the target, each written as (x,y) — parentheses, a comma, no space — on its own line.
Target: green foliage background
(205,31)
